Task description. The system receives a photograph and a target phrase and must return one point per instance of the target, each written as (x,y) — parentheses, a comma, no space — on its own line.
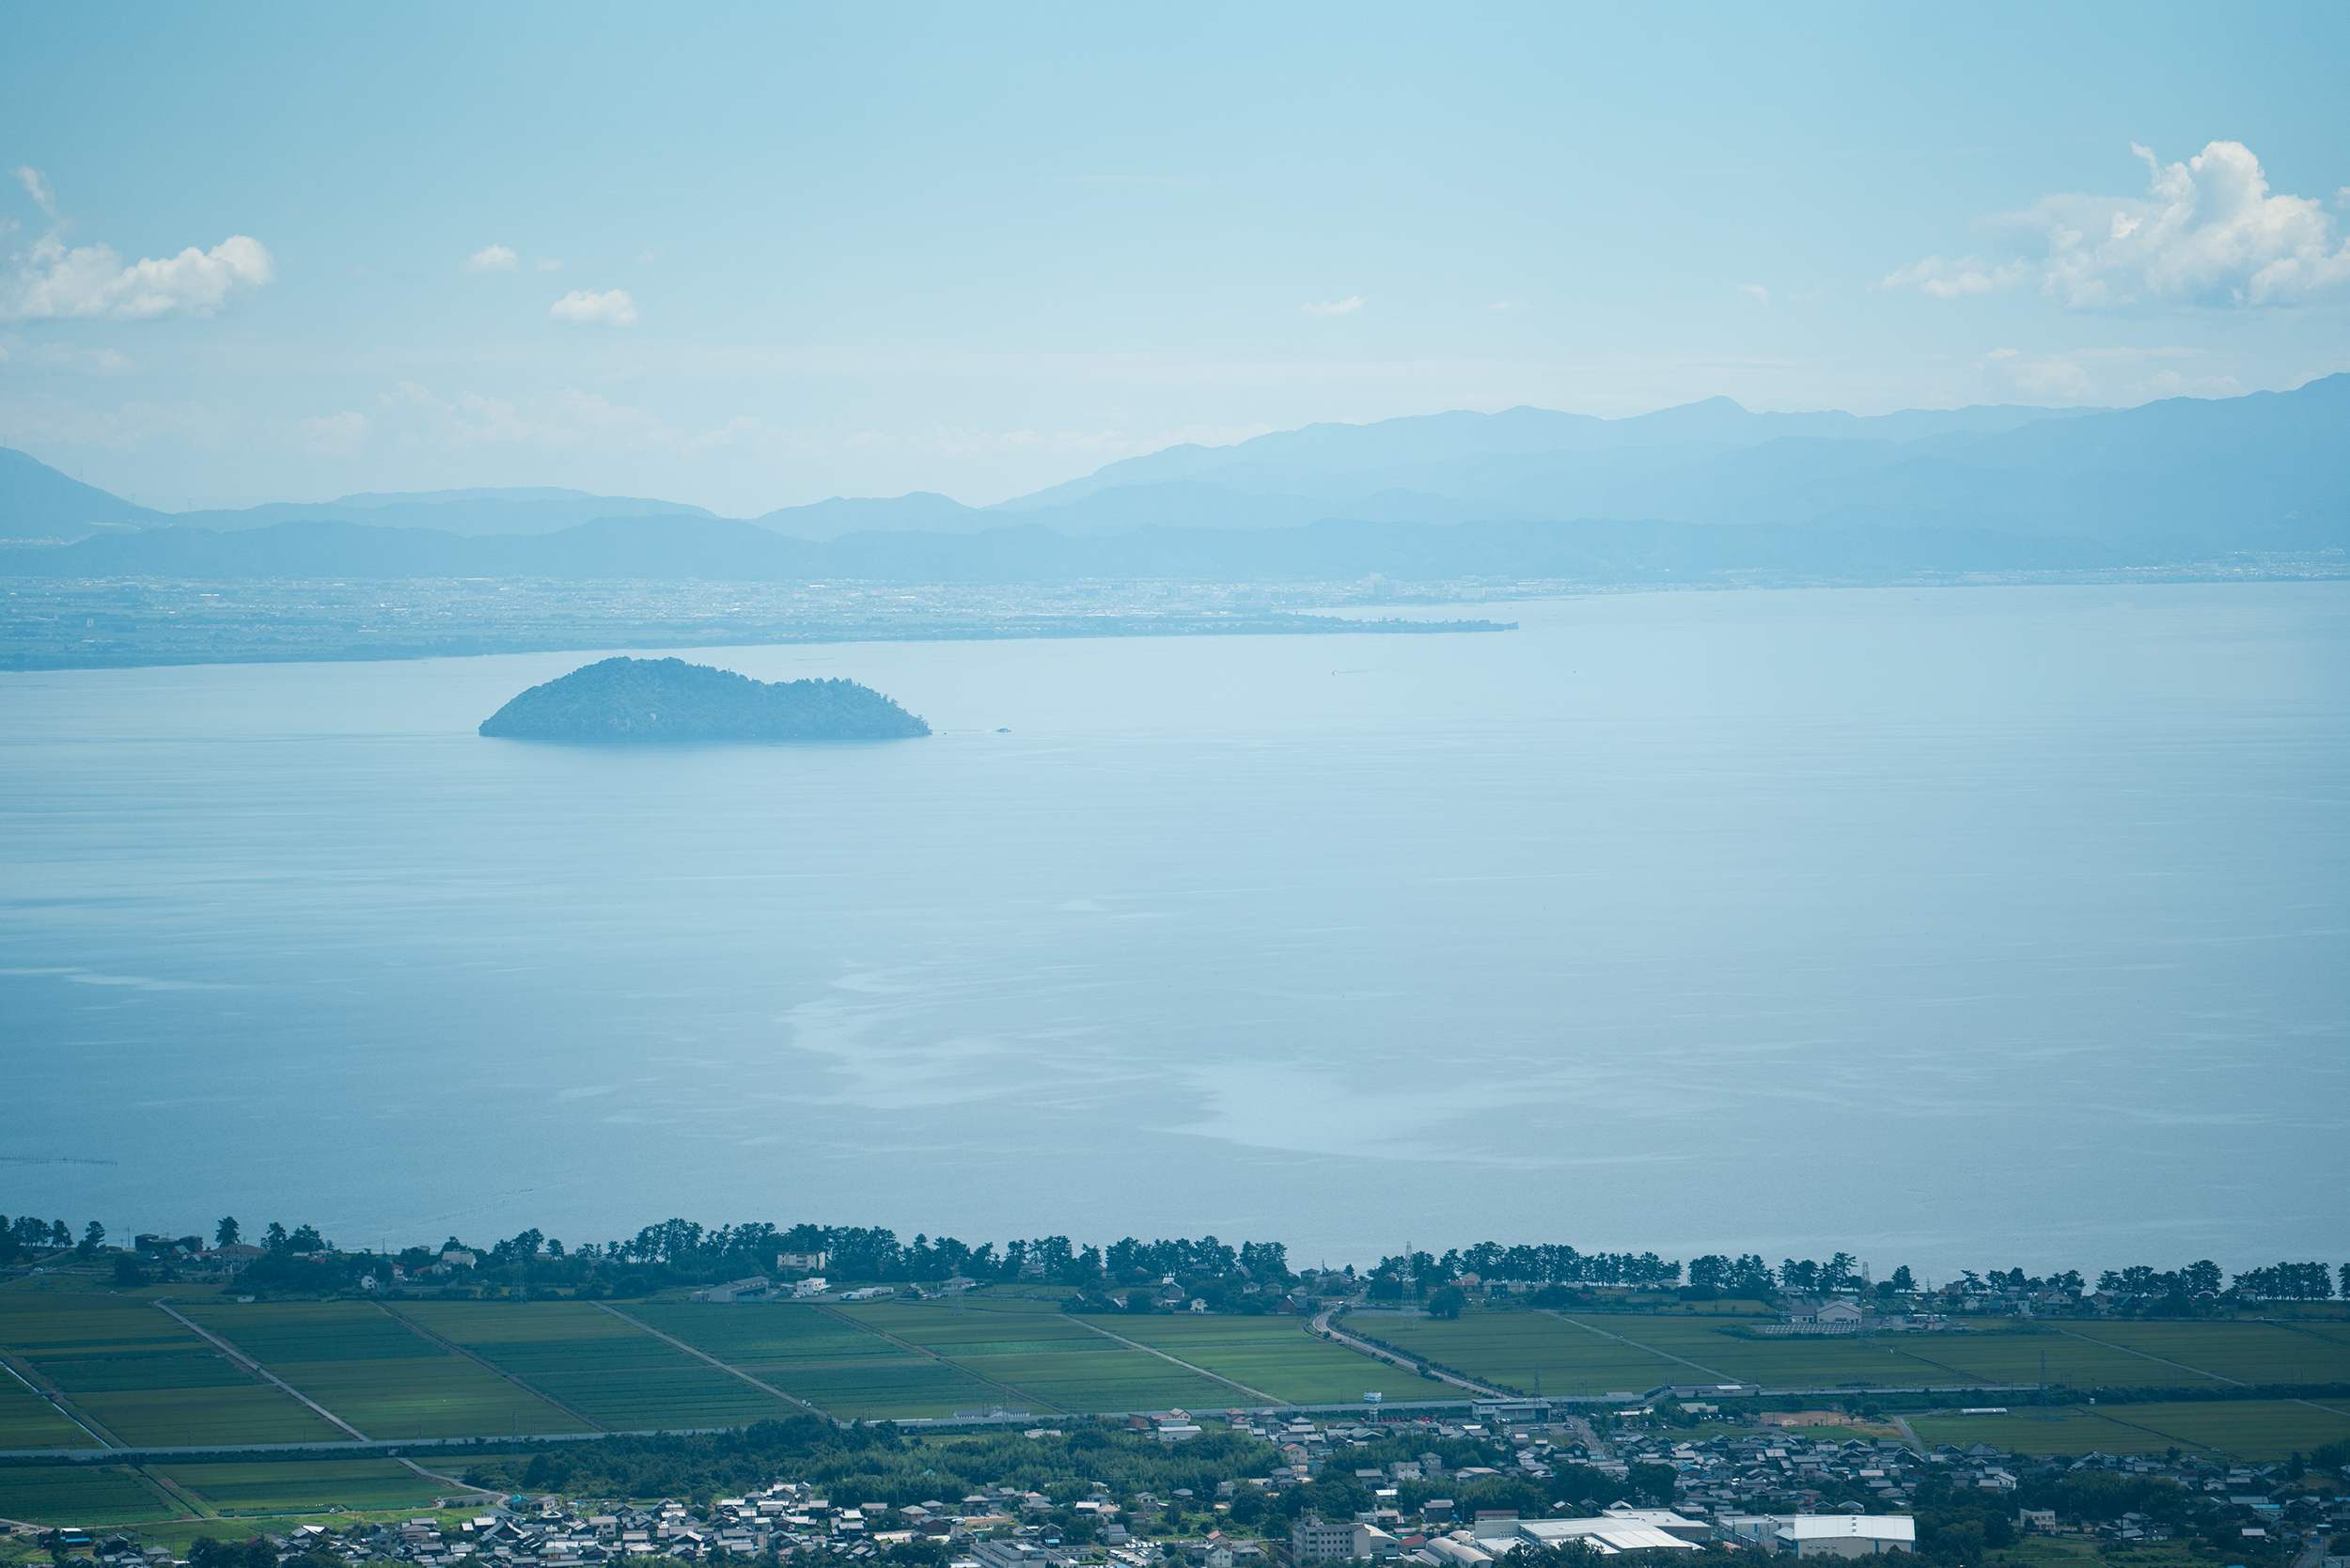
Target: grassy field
(301,1488)
(29,1421)
(2245,1352)
(1273,1353)
(1054,1362)
(92,1495)
(610,1372)
(1931,1359)
(377,1374)
(2248,1429)
(146,1378)
(2076,1363)
(1514,1349)
(838,1366)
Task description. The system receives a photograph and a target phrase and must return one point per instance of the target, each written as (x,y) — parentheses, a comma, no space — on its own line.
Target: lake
(1955,928)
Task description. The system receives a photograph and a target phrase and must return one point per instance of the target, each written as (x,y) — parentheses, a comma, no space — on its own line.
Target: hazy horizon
(778,256)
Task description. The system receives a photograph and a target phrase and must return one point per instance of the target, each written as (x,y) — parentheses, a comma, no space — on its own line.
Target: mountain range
(1711,482)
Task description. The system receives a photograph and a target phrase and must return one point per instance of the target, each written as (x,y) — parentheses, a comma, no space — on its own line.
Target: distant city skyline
(752,258)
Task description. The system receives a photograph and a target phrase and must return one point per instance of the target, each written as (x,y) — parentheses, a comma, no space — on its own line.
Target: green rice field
(1048,1359)
(29,1421)
(146,1378)
(610,1372)
(838,1366)
(2246,1428)
(1528,1350)
(1896,1359)
(371,1368)
(2244,1352)
(305,1487)
(1272,1353)
(92,1495)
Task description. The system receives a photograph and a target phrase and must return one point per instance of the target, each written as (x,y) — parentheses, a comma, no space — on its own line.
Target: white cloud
(93,362)
(549,264)
(38,188)
(1949,280)
(339,434)
(1754,292)
(2207,233)
(492,258)
(1326,309)
(1504,305)
(2108,374)
(92,280)
(610,309)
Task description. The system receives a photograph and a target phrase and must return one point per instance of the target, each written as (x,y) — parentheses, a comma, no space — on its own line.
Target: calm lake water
(1954,928)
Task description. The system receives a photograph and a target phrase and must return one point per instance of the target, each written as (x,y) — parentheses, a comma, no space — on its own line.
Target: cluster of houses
(1777,1491)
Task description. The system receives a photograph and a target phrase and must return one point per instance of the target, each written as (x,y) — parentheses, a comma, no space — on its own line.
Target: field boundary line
(55,1399)
(2150,1355)
(2297,1327)
(704,1356)
(166,1494)
(1321,1326)
(171,1489)
(240,1358)
(1163,1356)
(459,1486)
(932,1356)
(1711,1372)
(487,1365)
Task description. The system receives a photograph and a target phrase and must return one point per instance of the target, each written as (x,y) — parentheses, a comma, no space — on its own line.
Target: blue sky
(750,257)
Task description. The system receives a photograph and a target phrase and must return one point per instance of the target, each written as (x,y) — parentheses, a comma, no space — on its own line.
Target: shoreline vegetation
(144,625)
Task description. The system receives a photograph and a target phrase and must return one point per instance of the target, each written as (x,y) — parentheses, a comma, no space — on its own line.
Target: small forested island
(635,701)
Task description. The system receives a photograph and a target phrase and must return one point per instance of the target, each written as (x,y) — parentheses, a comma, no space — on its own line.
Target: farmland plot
(841,1368)
(1031,1348)
(92,1495)
(377,1374)
(283,1487)
(1526,1351)
(146,1378)
(610,1372)
(1272,1353)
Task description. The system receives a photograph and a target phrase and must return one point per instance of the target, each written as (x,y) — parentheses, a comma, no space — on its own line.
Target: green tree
(1655,1482)
(274,1239)
(127,1270)
(227,1232)
(93,1238)
(1446,1301)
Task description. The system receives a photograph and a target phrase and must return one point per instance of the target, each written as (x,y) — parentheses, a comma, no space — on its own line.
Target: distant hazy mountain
(1280,459)
(936,514)
(2178,479)
(39,502)
(536,511)
(2186,479)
